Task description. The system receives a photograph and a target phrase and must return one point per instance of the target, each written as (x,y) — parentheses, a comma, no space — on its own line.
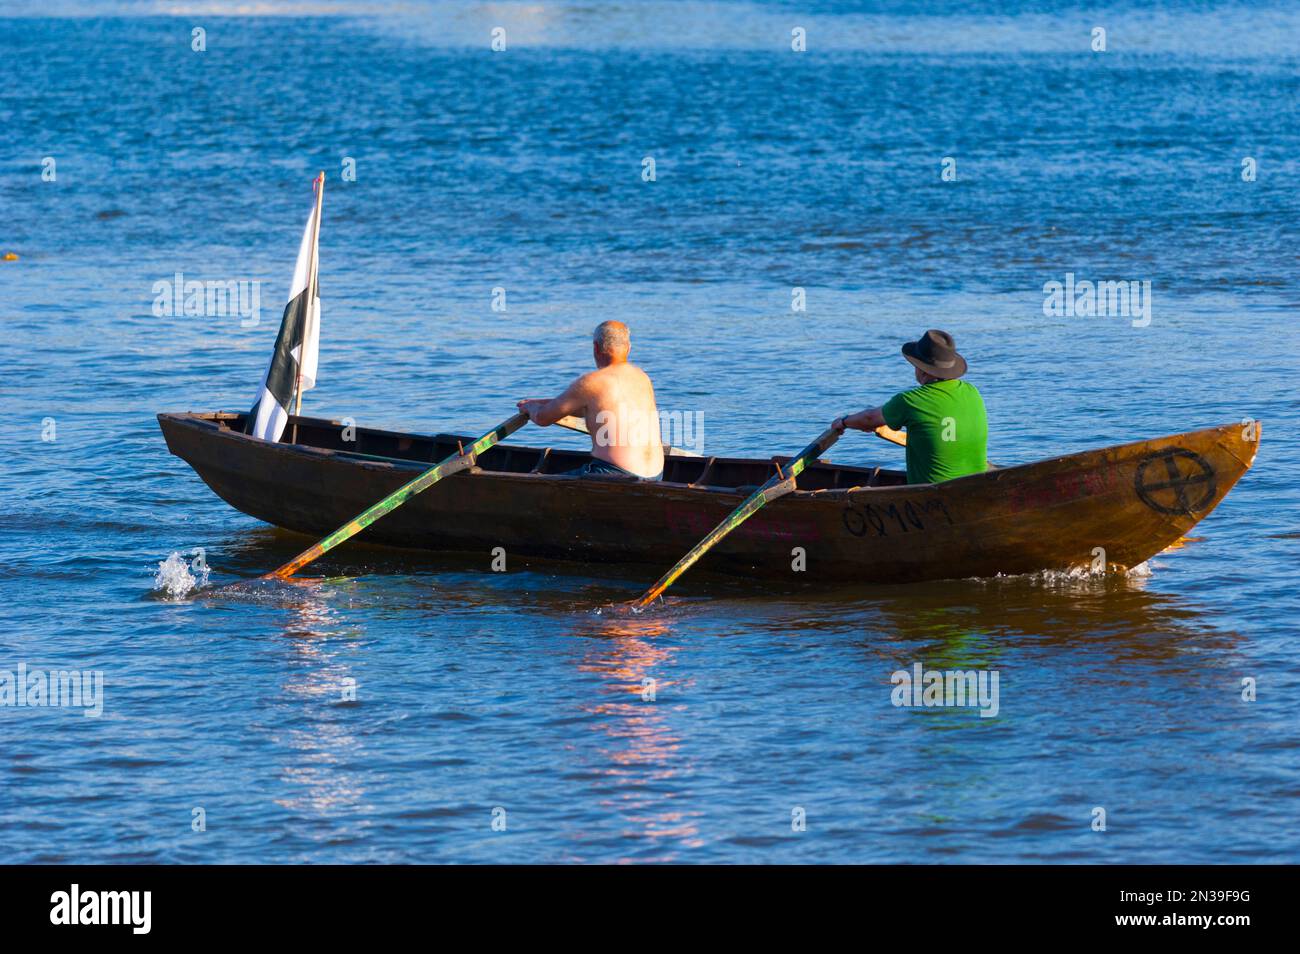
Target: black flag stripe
(282,376)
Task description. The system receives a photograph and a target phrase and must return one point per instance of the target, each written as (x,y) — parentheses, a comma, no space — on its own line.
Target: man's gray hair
(611,337)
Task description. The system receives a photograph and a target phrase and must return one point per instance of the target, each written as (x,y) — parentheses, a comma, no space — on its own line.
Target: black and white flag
(293,363)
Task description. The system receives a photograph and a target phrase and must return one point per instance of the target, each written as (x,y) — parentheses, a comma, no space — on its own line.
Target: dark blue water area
(522,170)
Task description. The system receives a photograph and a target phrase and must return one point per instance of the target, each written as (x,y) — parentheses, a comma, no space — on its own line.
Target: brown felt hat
(936,353)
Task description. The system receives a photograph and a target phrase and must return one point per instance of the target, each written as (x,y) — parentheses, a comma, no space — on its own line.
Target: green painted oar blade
(444,468)
(774,489)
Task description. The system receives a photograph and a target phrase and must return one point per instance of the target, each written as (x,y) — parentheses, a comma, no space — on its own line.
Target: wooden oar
(782,483)
(579,425)
(454,464)
(887,433)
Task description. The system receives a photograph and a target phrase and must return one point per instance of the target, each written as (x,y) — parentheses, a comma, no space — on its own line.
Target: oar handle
(444,468)
(777,486)
(573,423)
(887,433)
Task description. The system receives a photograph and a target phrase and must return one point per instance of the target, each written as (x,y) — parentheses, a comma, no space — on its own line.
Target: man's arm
(872,419)
(867,420)
(544,413)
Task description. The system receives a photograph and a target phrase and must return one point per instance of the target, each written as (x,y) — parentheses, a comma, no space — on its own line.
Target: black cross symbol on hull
(1180,501)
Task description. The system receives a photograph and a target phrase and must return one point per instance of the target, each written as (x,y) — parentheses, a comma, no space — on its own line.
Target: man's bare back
(618,402)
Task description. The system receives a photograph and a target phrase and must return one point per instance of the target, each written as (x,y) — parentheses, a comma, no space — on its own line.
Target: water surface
(522,170)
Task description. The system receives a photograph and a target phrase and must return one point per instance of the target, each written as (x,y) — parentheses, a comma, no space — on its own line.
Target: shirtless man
(618,401)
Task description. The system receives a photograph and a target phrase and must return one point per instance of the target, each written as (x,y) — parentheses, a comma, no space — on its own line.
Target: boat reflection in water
(976,622)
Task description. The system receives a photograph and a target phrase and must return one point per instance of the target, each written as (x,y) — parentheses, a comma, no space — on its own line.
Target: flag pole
(319,185)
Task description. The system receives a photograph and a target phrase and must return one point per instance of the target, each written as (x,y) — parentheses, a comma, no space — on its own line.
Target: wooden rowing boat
(1121,504)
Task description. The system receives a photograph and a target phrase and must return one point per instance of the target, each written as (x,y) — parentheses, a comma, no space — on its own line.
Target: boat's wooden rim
(213,420)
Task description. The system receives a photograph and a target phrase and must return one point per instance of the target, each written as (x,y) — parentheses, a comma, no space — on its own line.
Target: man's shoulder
(898,410)
(928,398)
(969,392)
(943,390)
(909,396)
(635,370)
(588,381)
(624,374)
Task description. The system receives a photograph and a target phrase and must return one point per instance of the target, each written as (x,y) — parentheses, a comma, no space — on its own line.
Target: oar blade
(445,468)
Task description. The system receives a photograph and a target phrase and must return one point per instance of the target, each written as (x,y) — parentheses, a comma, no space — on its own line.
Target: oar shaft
(778,486)
(445,468)
(735,519)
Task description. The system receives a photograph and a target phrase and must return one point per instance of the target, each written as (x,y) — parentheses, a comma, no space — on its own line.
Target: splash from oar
(174,579)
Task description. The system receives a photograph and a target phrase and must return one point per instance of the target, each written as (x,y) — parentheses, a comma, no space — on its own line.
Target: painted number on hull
(882,519)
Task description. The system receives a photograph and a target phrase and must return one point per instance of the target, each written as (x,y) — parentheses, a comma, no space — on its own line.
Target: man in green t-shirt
(947,431)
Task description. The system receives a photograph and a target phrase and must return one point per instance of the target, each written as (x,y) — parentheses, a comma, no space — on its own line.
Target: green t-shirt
(947,431)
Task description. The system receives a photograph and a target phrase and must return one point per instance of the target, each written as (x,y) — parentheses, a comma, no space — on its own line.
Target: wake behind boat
(1119,505)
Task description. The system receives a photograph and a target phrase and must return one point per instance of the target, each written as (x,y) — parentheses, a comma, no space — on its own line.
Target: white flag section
(293,362)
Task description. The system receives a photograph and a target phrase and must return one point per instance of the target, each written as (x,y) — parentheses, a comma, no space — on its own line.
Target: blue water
(522,170)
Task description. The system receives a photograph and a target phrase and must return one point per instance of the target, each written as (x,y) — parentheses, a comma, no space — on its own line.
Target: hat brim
(945,374)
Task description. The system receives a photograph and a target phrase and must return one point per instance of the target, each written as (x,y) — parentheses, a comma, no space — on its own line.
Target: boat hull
(1119,505)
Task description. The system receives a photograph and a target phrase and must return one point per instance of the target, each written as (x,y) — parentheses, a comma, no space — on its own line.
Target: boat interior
(728,473)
